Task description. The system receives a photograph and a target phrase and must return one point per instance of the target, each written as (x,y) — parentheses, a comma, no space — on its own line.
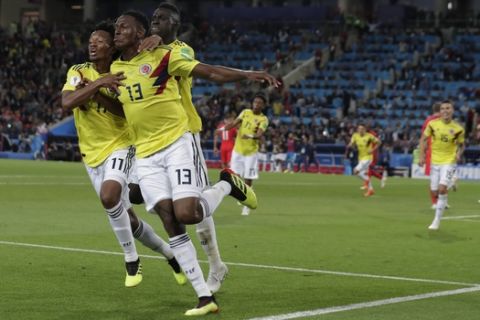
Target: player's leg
(206,232)
(157,191)
(114,181)
(446,175)
(434,184)
(250,173)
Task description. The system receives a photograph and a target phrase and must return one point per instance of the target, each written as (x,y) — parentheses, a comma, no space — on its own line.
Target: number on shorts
(186,178)
(120,163)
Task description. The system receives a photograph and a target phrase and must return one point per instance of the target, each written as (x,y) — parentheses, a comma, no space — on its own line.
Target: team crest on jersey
(145,69)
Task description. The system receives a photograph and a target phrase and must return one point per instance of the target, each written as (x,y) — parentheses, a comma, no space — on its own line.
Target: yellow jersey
(445,139)
(99,131)
(185,84)
(250,124)
(364,145)
(151,97)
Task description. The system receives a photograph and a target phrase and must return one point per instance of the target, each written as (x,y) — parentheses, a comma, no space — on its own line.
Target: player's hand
(85,82)
(112,81)
(262,76)
(150,43)
(421,161)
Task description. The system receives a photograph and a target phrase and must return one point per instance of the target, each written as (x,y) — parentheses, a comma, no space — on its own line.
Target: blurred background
(383,63)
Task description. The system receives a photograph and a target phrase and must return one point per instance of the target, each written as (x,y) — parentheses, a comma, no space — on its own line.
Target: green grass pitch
(313,244)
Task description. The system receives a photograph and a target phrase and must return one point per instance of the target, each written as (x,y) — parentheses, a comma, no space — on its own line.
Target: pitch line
(370,304)
(250,265)
(461,217)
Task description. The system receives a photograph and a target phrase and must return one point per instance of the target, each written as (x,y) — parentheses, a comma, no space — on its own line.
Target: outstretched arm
(222,74)
(232,124)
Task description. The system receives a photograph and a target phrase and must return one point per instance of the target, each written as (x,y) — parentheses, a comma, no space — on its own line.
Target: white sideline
(370,304)
(249,265)
(461,217)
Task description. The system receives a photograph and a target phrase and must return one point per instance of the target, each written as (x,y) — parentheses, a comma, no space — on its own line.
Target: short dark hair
(447,101)
(107,26)
(260,96)
(169,6)
(436,107)
(140,17)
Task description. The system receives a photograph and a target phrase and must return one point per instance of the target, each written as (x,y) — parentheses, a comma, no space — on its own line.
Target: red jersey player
(227,141)
(428,152)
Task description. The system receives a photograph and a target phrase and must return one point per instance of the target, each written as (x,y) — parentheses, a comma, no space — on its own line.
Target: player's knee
(188,216)
(110,194)
(442,189)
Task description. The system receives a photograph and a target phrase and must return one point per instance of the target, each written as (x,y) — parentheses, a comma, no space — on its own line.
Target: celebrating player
(253,124)
(447,147)
(366,145)
(166,151)
(227,141)
(105,146)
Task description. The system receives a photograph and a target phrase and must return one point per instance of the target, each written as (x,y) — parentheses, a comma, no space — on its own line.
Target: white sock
(120,223)
(211,197)
(147,236)
(208,239)
(441,202)
(385,174)
(186,256)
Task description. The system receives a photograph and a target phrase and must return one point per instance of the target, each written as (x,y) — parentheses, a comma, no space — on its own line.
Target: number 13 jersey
(151,97)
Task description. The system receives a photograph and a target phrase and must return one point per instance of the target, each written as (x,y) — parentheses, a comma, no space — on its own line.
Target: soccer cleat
(215,279)
(245,211)
(435,225)
(205,306)
(369,193)
(134,274)
(434,206)
(180,277)
(240,190)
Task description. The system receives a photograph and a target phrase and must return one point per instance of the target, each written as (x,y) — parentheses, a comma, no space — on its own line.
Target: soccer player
(253,124)
(104,140)
(168,169)
(447,147)
(372,171)
(227,141)
(428,152)
(366,145)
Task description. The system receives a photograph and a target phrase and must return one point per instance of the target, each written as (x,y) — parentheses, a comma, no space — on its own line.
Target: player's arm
(422,149)
(231,125)
(87,89)
(257,135)
(150,43)
(221,74)
(377,142)
(112,105)
(460,146)
(215,141)
(349,145)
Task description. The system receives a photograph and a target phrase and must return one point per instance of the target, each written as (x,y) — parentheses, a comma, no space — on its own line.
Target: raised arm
(222,74)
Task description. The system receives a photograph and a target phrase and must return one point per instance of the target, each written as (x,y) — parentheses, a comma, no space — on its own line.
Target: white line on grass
(461,217)
(44,183)
(363,305)
(249,265)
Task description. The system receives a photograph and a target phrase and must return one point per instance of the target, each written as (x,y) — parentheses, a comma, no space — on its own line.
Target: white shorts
(441,174)
(172,173)
(116,167)
(245,166)
(362,165)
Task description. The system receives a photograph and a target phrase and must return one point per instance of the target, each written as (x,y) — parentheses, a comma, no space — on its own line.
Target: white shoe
(363,188)
(383,182)
(435,225)
(245,211)
(215,279)
(434,206)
